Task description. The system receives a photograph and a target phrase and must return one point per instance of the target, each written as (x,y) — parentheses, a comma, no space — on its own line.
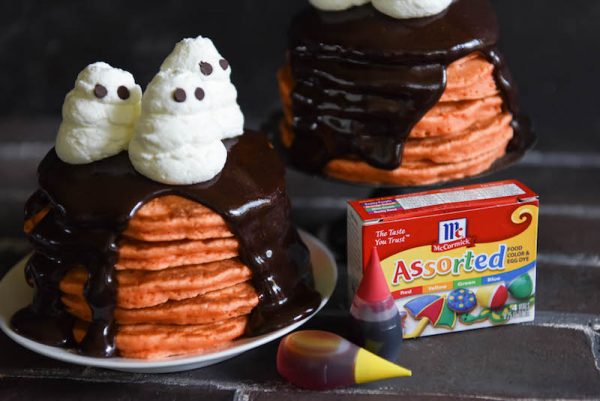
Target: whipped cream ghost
(177,139)
(337,5)
(400,9)
(201,57)
(403,9)
(99,115)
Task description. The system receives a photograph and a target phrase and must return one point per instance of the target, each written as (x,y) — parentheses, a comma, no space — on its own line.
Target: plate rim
(118,363)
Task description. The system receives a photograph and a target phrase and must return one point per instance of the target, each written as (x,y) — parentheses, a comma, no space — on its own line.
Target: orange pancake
(471,77)
(226,303)
(142,289)
(34,220)
(414,173)
(475,141)
(155,341)
(142,255)
(447,118)
(171,218)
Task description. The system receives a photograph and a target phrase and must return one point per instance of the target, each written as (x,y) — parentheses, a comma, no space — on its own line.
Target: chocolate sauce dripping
(35,204)
(363,79)
(523,136)
(61,244)
(363,109)
(91,205)
(45,320)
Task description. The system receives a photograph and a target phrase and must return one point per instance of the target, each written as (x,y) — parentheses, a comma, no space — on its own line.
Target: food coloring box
(455,259)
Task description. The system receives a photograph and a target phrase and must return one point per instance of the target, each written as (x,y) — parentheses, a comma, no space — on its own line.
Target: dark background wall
(552,46)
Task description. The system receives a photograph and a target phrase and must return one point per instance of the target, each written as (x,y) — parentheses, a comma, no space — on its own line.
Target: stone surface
(568,288)
(310,396)
(513,361)
(67,390)
(566,234)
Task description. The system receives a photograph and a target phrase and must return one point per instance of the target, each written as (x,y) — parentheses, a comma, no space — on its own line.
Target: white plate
(15,294)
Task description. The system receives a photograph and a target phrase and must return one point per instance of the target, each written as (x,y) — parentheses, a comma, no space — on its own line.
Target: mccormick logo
(452,234)
(451,230)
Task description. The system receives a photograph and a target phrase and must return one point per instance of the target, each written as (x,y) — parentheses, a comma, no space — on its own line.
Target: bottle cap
(373,286)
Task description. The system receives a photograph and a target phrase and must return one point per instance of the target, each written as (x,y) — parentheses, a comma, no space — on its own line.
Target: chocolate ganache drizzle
(362,80)
(91,204)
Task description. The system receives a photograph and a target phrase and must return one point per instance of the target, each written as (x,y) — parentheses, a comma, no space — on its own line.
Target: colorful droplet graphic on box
(375,320)
(319,360)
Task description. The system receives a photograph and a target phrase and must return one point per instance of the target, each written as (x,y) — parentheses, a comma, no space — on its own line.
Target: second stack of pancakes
(462,135)
(181,286)
(365,98)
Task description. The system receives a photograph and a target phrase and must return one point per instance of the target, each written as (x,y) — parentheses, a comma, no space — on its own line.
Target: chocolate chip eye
(199,93)
(224,63)
(123,92)
(206,68)
(179,95)
(100,91)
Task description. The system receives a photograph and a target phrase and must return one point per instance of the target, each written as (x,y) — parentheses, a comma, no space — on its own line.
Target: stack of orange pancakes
(375,99)
(462,135)
(125,266)
(181,287)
